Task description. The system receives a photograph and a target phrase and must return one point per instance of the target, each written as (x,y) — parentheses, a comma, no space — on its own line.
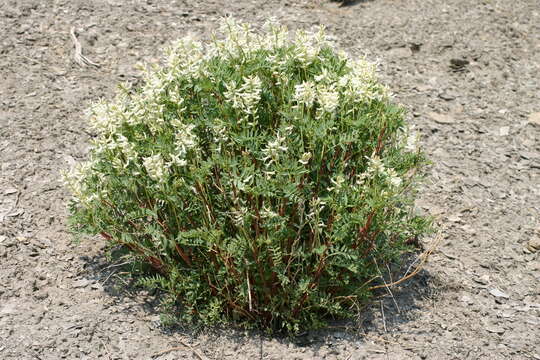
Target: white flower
(75,180)
(175,97)
(185,59)
(149,112)
(267,213)
(250,92)
(128,149)
(324,77)
(395,181)
(393,178)
(309,44)
(135,114)
(247,96)
(185,138)
(412,140)
(269,174)
(305,93)
(376,166)
(273,149)
(219,134)
(240,41)
(328,98)
(316,205)
(361,178)
(288,129)
(277,34)
(176,160)
(304,160)
(365,70)
(360,84)
(155,167)
(237,215)
(118,164)
(337,182)
(104,117)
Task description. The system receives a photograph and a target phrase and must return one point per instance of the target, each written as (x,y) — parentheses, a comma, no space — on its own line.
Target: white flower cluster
(241,42)
(337,183)
(377,168)
(240,39)
(309,45)
(156,167)
(278,65)
(273,149)
(328,98)
(304,160)
(186,59)
(307,93)
(393,177)
(176,97)
(247,96)
(146,107)
(128,149)
(185,139)
(325,77)
(219,134)
(74,180)
(360,84)
(105,118)
(154,117)
(316,206)
(277,34)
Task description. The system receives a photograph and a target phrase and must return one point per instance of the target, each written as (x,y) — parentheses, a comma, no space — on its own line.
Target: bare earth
(466,70)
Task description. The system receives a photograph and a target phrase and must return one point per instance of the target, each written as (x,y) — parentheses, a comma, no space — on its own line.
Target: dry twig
(108,277)
(78,56)
(199,356)
(184,346)
(167,351)
(383,317)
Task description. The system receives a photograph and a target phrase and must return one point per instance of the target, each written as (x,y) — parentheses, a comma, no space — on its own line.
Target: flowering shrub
(265,180)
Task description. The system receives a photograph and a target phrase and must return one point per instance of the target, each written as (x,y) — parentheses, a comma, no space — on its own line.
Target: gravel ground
(466,70)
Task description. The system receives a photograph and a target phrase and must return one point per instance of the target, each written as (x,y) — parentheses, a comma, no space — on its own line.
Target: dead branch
(78,56)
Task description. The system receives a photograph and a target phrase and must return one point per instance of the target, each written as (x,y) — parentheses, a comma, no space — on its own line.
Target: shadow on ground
(344,3)
(389,309)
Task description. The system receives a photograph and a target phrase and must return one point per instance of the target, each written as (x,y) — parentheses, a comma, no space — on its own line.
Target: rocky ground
(468,72)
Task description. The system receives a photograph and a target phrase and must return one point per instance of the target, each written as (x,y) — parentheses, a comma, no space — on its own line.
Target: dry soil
(466,70)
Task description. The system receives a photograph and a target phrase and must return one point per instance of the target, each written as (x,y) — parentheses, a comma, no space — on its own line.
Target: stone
(504,130)
(495,329)
(81,283)
(534,118)
(498,293)
(441,118)
(448,96)
(534,243)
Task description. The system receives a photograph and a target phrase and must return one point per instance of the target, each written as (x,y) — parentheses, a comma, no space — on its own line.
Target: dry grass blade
(167,351)
(422,259)
(184,346)
(78,56)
